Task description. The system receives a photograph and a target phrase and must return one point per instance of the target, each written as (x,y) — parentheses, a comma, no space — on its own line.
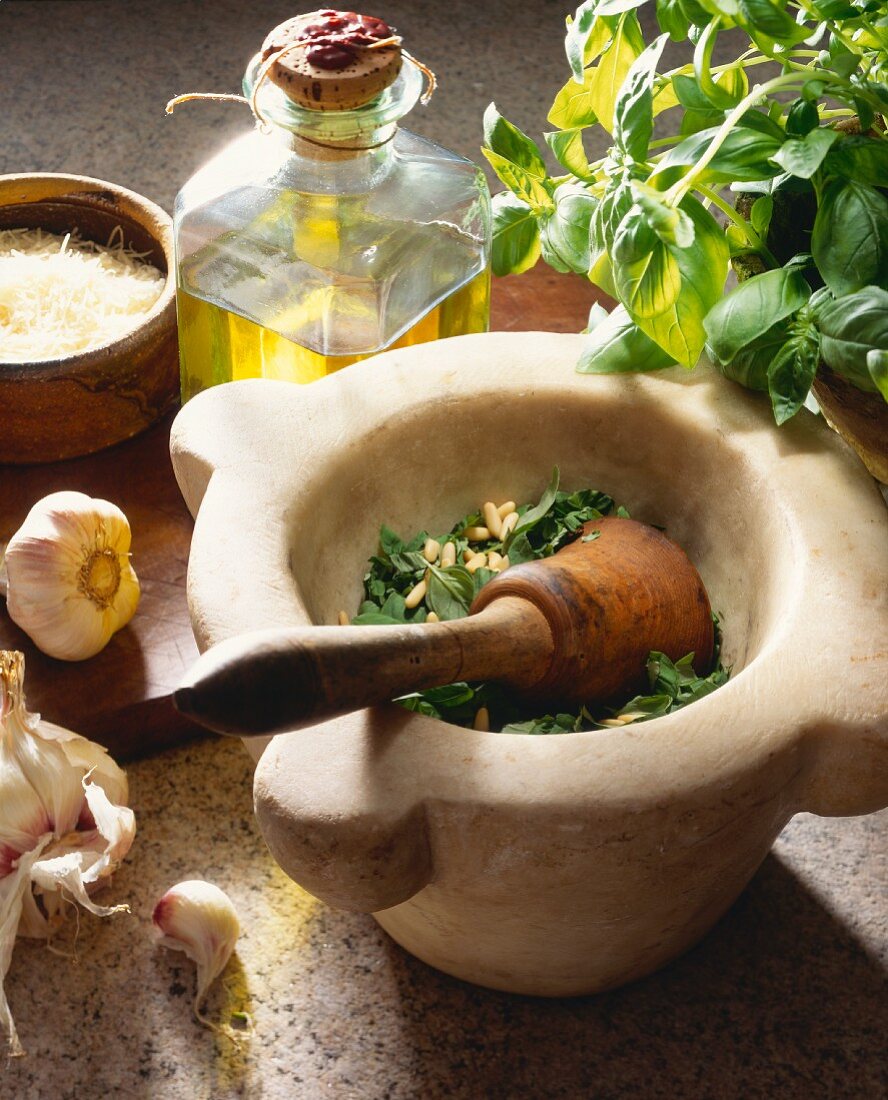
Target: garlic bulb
(64,825)
(198,918)
(70,584)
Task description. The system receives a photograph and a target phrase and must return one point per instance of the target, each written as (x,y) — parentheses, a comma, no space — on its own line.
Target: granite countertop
(784,999)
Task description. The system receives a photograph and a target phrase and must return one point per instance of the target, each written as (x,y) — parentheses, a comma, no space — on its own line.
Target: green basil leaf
(791,374)
(450,591)
(813,88)
(394,607)
(376,618)
(802,117)
(860,158)
(850,328)
(567,145)
(586,37)
(672,225)
(689,93)
(548,724)
(597,314)
(533,515)
(513,144)
(763,16)
(674,320)
(615,204)
(750,365)
(521,551)
(745,154)
(516,236)
(757,304)
(865,113)
(760,215)
(877,365)
(718,95)
(572,108)
(564,234)
(616,345)
(450,695)
(389,542)
(645,268)
(693,122)
(634,108)
(850,238)
(672,19)
(844,63)
(606,78)
(531,188)
(836,9)
(803,156)
(734,81)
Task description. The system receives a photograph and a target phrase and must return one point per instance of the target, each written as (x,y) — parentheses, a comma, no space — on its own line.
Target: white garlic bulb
(198,918)
(64,824)
(70,584)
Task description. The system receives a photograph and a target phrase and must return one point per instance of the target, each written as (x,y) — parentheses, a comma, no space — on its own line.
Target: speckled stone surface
(106,119)
(98,109)
(784,999)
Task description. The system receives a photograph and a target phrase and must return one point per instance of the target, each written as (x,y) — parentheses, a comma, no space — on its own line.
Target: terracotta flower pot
(563,864)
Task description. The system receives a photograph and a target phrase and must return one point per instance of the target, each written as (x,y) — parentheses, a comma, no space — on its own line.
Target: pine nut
(482,719)
(493,519)
(468,554)
(416,595)
(476,563)
(431,550)
(448,555)
(504,564)
(477,534)
(494,560)
(432,617)
(504,509)
(343,618)
(509,524)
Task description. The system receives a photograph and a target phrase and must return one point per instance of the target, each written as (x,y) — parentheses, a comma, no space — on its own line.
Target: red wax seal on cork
(333,60)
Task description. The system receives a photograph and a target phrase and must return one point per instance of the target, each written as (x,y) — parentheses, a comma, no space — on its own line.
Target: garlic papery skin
(198,918)
(70,584)
(64,825)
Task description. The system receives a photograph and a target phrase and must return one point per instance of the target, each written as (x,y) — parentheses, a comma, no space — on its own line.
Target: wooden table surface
(121,697)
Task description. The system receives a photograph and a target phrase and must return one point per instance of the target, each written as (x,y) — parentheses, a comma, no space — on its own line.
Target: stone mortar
(566,864)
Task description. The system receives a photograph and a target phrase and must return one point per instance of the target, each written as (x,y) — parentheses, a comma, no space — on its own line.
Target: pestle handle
(272,681)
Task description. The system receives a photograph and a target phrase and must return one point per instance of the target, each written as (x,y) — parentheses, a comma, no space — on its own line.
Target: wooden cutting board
(121,698)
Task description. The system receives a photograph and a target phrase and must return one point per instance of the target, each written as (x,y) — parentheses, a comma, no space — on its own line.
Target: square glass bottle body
(325,240)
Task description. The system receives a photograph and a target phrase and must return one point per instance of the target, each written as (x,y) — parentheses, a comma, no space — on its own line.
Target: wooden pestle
(571,629)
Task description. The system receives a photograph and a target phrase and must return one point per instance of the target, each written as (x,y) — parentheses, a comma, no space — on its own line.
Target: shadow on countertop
(778,1001)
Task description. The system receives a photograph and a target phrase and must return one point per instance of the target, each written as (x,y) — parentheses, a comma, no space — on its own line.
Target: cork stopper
(331,60)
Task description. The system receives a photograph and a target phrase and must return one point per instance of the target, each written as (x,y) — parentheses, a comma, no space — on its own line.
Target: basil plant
(654,223)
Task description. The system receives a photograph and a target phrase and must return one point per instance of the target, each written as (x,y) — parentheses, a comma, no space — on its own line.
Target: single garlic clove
(70,584)
(198,918)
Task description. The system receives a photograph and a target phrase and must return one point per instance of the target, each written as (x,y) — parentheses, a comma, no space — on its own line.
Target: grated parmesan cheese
(60,295)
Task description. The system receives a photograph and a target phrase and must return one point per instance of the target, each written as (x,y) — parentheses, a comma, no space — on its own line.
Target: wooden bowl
(81,403)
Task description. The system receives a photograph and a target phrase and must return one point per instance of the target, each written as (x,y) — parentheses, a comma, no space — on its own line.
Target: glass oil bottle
(326,235)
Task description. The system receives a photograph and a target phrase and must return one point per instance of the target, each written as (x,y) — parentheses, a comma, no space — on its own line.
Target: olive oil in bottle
(328,234)
(217,345)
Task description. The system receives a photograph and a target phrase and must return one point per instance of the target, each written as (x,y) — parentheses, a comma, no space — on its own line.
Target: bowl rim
(156,222)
